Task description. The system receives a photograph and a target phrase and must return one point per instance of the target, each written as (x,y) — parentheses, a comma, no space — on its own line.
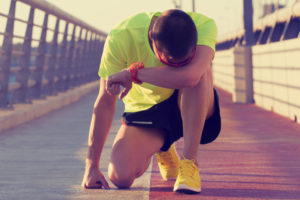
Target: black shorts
(166,116)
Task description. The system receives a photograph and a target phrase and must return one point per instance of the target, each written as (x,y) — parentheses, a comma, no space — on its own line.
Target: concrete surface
(22,113)
(255,157)
(44,159)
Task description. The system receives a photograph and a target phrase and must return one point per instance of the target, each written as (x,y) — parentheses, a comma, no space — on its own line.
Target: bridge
(47,93)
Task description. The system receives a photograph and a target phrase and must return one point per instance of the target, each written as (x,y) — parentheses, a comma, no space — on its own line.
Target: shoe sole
(186,189)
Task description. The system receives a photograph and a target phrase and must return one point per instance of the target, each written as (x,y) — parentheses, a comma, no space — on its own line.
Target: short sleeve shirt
(128,43)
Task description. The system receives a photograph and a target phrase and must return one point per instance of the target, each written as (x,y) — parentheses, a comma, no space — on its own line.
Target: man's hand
(94,179)
(114,82)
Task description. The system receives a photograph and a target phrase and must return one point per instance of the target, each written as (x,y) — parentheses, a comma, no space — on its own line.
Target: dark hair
(175,33)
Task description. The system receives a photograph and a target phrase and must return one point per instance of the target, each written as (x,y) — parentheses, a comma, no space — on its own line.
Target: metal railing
(281,25)
(51,67)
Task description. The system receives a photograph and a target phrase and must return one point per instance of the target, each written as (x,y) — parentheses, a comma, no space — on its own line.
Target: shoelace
(165,157)
(187,168)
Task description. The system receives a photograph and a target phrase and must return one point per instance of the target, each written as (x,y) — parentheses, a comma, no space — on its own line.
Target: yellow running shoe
(168,163)
(188,180)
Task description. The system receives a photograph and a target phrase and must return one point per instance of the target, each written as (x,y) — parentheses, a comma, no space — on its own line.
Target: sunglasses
(178,64)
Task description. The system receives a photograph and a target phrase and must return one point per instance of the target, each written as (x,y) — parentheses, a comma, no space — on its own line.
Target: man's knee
(121,176)
(206,80)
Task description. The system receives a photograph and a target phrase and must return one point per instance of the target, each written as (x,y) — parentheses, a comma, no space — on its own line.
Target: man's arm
(179,77)
(165,76)
(104,109)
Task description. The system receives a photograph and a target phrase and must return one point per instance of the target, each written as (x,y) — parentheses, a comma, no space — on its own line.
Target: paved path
(256,157)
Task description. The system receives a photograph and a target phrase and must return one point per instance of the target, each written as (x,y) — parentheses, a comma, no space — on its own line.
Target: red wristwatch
(133,69)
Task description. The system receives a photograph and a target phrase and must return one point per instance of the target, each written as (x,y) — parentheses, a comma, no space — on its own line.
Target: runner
(168,94)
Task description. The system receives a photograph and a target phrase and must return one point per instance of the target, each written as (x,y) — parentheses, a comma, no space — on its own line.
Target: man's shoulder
(199,18)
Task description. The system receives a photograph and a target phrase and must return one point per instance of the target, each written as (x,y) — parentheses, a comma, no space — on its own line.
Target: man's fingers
(94,186)
(114,82)
(124,93)
(112,88)
(107,86)
(104,183)
(116,89)
(94,180)
(97,185)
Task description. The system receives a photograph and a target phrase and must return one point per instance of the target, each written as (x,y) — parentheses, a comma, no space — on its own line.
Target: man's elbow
(191,81)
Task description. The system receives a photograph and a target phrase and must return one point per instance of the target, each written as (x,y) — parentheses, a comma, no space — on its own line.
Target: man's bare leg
(197,104)
(131,154)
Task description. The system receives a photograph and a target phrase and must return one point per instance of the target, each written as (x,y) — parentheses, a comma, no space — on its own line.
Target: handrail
(53,10)
(282,16)
(28,72)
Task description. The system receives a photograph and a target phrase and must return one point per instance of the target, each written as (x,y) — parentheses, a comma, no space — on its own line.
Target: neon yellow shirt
(128,43)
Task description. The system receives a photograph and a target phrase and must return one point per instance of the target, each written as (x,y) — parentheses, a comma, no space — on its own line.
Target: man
(168,95)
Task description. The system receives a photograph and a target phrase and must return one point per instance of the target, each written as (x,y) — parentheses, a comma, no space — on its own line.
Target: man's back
(128,42)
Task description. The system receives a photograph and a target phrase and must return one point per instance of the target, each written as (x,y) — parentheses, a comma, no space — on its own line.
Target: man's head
(174,38)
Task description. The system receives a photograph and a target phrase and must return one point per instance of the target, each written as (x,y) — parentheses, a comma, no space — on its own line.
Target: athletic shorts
(166,116)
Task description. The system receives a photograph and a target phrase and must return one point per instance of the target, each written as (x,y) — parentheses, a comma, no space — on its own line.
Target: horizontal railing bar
(36,40)
(31,83)
(4,15)
(24,21)
(45,68)
(17,19)
(51,9)
(21,20)
(45,82)
(36,25)
(15,69)
(17,52)
(13,86)
(55,79)
(35,53)
(21,37)
(32,68)
(14,36)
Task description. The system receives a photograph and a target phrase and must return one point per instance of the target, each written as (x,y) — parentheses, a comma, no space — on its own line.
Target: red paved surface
(255,157)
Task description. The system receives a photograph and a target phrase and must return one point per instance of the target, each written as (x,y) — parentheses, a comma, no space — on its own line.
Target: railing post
(5,56)
(84,59)
(243,81)
(61,70)
(50,73)
(243,72)
(37,74)
(101,46)
(96,57)
(70,57)
(77,63)
(100,50)
(22,76)
(91,59)
(248,22)
(90,62)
